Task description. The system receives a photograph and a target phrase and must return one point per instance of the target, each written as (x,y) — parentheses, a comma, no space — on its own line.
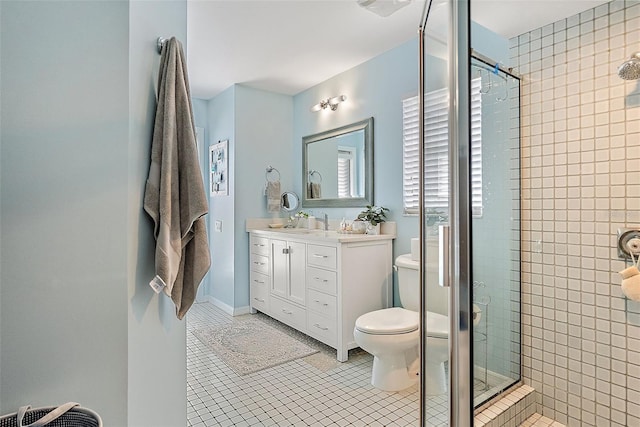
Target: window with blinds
(436,128)
(345,172)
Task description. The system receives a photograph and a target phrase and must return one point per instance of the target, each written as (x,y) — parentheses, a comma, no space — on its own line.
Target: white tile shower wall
(580,183)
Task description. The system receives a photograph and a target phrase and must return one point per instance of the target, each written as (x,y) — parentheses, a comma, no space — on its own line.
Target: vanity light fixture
(331,103)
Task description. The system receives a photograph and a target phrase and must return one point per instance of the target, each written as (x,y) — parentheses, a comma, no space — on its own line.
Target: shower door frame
(459,254)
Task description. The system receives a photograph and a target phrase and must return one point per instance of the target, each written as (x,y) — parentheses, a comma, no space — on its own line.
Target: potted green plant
(374,216)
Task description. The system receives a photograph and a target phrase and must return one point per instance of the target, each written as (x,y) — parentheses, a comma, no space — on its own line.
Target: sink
(295,230)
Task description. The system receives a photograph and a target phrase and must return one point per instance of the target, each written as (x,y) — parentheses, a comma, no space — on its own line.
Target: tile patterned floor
(537,420)
(313,391)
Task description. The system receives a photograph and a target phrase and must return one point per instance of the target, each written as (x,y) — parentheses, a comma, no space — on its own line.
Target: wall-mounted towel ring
(315,174)
(272,175)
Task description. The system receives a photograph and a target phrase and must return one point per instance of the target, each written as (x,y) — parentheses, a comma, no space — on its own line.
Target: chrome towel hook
(160,43)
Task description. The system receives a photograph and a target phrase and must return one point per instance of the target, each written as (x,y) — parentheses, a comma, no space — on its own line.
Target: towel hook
(271,169)
(160,44)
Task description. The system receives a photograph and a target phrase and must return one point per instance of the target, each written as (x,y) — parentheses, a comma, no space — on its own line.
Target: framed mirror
(337,167)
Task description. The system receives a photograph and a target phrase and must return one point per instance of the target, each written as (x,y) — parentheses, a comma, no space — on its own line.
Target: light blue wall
(156,338)
(263,132)
(258,125)
(64,206)
(490,44)
(220,126)
(79,321)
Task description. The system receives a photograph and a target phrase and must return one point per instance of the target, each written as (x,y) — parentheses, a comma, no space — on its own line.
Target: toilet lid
(388,321)
(437,325)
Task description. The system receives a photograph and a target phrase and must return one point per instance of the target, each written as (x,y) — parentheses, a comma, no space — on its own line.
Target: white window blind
(436,128)
(345,173)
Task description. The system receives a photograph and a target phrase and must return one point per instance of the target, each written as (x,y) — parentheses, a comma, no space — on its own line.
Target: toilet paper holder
(628,242)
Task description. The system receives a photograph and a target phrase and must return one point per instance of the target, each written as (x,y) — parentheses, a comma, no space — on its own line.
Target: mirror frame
(352,202)
(289,209)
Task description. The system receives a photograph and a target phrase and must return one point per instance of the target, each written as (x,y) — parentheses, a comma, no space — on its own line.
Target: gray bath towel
(316,190)
(174,196)
(273,196)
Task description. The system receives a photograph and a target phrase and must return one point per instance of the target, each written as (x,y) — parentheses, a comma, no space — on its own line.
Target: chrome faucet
(325,220)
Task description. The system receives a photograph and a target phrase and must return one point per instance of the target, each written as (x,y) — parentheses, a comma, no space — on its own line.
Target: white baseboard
(226,307)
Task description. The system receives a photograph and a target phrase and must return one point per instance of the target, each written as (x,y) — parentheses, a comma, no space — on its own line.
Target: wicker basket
(67,415)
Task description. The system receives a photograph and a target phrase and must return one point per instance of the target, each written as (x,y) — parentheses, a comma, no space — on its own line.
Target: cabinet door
(297,272)
(279,268)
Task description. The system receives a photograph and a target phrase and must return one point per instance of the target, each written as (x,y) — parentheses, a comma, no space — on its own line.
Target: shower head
(630,70)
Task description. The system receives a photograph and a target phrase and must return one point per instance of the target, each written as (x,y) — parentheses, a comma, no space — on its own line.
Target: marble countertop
(261,226)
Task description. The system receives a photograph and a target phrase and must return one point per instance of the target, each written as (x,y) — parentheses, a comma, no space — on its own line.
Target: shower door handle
(443,256)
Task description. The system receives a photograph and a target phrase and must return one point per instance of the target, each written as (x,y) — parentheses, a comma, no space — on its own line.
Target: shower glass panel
(435,199)
(495,181)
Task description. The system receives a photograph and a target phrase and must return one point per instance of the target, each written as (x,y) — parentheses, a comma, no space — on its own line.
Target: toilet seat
(388,321)
(397,320)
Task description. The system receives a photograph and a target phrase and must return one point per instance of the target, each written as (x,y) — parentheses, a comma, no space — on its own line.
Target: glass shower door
(445,216)
(469,219)
(495,237)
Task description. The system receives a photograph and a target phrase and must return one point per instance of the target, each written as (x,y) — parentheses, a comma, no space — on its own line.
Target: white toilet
(392,335)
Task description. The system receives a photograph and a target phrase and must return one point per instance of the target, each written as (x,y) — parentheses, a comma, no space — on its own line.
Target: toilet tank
(409,282)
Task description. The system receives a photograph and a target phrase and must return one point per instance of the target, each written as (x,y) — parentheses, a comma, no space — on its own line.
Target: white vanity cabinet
(321,282)
(259,272)
(288,282)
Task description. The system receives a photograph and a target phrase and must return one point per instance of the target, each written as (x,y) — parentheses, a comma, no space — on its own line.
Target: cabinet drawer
(322,280)
(259,245)
(322,328)
(260,263)
(321,256)
(288,313)
(259,280)
(259,292)
(321,303)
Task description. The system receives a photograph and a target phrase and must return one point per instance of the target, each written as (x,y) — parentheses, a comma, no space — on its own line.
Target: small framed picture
(219,169)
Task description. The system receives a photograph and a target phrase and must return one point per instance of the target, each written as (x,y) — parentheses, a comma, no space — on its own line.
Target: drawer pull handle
(320,327)
(258,245)
(320,256)
(320,279)
(258,299)
(258,281)
(259,263)
(286,312)
(324,304)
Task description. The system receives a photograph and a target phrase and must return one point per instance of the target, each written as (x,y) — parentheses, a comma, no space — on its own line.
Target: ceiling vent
(383,7)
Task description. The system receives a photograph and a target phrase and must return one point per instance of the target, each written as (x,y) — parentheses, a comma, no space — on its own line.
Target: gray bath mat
(250,345)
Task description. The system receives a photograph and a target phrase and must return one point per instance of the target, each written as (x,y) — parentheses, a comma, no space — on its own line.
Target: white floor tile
(296,393)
